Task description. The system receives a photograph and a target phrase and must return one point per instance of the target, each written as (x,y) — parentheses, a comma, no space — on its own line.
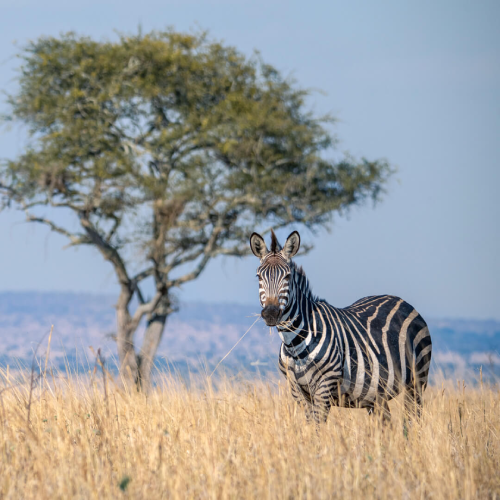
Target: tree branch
(109,252)
(143,309)
(143,275)
(192,275)
(208,252)
(178,261)
(75,239)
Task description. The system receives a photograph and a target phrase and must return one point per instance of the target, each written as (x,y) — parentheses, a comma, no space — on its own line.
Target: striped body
(360,356)
(357,356)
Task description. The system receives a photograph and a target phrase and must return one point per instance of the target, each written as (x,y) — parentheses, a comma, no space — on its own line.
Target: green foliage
(175,117)
(124,483)
(175,144)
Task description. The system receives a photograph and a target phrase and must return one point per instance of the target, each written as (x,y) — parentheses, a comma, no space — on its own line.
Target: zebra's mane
(303,281)
(275,246)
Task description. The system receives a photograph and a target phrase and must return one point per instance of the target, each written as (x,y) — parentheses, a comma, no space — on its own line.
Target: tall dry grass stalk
(243,440)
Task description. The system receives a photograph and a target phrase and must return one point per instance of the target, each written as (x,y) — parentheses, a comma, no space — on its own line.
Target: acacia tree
(174,145)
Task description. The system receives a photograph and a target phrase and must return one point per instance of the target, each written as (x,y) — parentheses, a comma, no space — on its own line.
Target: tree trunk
(125,340)
(152,338)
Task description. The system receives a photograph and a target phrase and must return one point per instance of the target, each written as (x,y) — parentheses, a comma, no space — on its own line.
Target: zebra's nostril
(270,314)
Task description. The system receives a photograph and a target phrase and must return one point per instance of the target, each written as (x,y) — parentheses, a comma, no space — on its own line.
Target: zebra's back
(387,347)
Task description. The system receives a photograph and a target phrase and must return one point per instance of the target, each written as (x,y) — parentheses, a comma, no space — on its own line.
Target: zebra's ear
(258,245)
(291,246)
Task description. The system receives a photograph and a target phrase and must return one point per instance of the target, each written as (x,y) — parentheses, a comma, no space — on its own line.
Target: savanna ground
(86,437)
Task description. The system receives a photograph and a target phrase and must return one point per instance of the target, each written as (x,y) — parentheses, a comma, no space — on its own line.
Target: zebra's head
(274,274)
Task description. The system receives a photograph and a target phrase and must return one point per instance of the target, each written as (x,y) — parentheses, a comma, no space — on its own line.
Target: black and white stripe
(359,356)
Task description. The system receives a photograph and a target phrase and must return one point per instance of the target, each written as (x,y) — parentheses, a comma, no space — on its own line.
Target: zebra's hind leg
(413,406)
(413,402)
(381,410)
(318,412)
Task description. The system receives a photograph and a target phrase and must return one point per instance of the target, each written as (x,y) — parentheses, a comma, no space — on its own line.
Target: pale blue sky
(415,82)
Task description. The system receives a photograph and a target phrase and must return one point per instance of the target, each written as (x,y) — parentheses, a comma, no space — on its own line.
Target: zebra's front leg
(303,398)
(317,413)
(322,401)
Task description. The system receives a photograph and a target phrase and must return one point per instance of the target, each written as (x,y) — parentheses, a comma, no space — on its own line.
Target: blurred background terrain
(201,334)
(414,83)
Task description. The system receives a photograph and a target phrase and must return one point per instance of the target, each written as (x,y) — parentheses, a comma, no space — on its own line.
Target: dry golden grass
(245,440)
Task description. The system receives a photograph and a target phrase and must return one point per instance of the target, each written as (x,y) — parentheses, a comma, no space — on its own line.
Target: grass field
(243,440)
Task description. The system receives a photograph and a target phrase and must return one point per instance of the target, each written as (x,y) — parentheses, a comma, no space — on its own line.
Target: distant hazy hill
(197,333)
(200,333)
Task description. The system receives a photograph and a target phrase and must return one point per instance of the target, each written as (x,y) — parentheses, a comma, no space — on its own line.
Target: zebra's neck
(297,319)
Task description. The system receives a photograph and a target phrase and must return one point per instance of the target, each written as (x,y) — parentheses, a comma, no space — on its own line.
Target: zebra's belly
(364,385)
(308,374)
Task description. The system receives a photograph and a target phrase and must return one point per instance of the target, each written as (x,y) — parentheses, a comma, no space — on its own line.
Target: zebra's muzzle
(271,315)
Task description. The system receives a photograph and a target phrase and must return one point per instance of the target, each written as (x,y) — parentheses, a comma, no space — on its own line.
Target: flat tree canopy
(174,145)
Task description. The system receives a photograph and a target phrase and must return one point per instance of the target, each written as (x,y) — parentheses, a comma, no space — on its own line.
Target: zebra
(359,356)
